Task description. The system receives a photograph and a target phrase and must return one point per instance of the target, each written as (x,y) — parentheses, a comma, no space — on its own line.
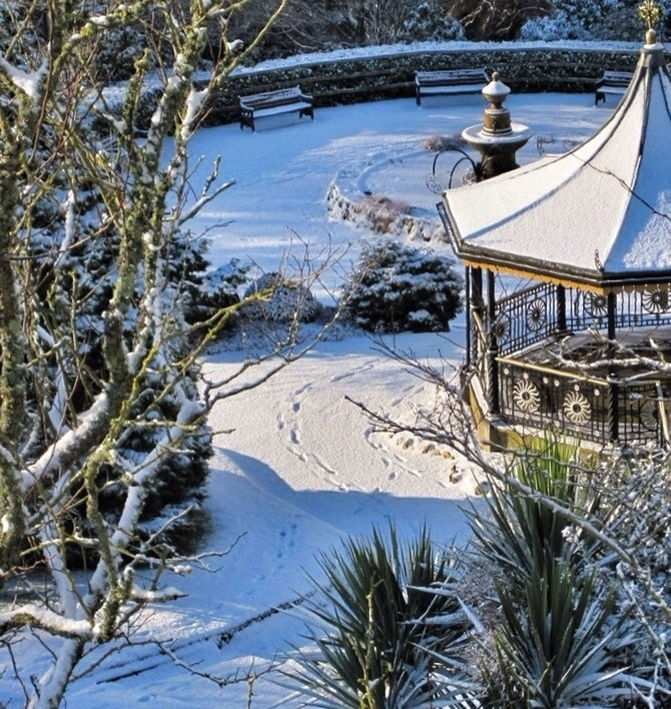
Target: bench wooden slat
(611,82)
(449,82)
(269,103)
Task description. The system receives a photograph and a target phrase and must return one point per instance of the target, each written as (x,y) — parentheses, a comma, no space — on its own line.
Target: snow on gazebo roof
(598,216)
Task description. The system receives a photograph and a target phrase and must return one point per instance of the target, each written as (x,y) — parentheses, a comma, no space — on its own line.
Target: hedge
(356,79)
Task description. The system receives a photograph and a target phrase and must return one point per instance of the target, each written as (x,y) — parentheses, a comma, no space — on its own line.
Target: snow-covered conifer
(396,287)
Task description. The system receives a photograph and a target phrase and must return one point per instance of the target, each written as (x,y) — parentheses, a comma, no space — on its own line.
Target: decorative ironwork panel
(577,406)
(649,307)
(643,406)
(545,400)
(525,317)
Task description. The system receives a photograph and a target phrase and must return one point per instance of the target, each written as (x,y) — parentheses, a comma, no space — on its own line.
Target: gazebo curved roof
(599,216)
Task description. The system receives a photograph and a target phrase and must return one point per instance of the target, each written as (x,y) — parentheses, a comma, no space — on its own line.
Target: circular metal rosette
(577,408)
(501,327)
(648,414)
(596,305)
(655,300)
(536,315)
(526,396)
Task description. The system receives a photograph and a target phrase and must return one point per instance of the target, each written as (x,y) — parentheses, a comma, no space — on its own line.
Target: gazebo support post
(613,388)
(561,308)
(467,288)
(477,308)
(493,349)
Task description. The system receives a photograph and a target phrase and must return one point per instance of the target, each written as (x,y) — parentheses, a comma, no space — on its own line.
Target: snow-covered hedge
(371,73)
(387,72)
(397,287)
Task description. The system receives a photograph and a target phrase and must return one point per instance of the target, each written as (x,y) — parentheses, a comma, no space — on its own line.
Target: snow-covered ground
(300,466)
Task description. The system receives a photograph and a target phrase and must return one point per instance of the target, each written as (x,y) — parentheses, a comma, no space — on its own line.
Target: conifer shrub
(84,285)
(396,287)
(210,291)
(277,299)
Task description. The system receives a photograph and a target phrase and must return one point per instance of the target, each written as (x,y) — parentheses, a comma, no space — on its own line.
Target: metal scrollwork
(577,408)
(596,305)
(536,315)
(648,414)
(655,300)
(501,328)
(526,396)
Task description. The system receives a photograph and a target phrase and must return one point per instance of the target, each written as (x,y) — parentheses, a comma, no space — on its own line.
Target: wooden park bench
(449,82)
(611,82)
(272,103)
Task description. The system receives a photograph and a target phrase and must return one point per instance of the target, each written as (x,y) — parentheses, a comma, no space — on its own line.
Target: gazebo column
(467,288)
(493,349)
(561,308)
(613,388)
(477,309)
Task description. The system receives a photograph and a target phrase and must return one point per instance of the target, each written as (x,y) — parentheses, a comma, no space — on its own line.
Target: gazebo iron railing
(534,314)
(544,398)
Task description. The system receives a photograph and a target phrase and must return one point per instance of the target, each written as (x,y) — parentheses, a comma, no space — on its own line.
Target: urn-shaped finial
(496,119)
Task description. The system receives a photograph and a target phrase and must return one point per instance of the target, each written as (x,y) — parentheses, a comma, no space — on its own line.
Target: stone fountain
(497,138)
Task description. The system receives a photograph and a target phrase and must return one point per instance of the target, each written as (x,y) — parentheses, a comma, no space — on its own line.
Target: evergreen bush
(277,299)
(178,489)
(396,287)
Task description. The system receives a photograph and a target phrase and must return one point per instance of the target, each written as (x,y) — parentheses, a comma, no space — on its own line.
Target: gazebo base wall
(492,432)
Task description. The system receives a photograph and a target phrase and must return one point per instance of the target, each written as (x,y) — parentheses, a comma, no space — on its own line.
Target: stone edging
(346,201)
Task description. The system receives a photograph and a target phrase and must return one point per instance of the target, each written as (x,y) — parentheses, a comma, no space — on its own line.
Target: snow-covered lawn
(301,467)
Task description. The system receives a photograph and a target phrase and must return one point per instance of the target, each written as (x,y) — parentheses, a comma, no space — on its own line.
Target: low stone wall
(346,206)
(356,79)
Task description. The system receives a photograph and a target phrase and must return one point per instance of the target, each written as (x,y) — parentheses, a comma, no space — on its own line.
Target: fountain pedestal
(497,138)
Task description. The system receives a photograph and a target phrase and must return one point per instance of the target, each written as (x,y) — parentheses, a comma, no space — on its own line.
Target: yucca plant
(556,645)
(519,530)
(558,639)
(385,629)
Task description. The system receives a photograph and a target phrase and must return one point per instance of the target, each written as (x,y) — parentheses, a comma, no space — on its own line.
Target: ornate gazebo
(591,231)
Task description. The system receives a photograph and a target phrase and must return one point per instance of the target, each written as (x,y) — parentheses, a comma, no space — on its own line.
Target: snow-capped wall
(369,73)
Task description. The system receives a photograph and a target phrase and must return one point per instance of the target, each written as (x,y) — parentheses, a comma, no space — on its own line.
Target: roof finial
(650,13)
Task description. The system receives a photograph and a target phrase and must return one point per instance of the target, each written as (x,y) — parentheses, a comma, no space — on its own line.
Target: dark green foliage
(82,289)
(559,637)
(426,21)
(555,645)
(282,300)
(396,287)
(519,531)
(391,619)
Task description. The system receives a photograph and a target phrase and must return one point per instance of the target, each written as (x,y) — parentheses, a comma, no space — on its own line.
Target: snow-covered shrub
(386,623)
(577,19)
(280,300)
(396,287)
(215,290)
(425,21)
(498,20)
(381,211)
(86,280)
(635,494)
(554,27)
(436,143)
